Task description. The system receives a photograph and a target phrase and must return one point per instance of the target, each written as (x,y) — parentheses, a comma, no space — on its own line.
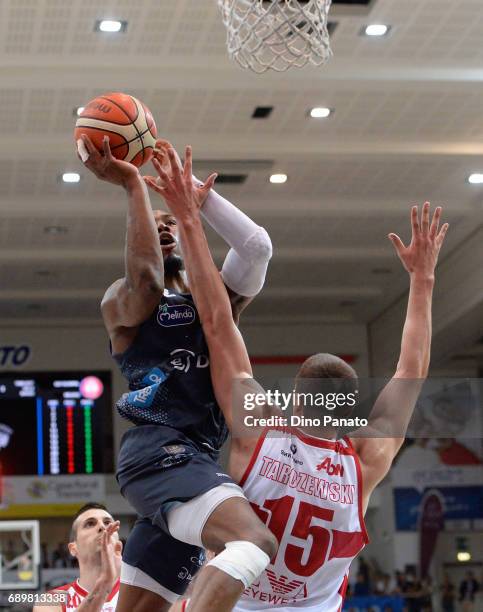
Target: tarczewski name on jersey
(306,483)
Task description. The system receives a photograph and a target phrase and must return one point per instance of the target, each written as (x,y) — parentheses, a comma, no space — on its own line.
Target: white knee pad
(242,560)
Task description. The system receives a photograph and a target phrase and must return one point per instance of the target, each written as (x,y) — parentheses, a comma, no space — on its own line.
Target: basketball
(126,120)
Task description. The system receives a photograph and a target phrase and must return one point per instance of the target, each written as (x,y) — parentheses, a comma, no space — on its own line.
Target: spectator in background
(387,584)
(412,594)
(400,585)
(468,589)
(426,594)
(448,595)
(365,572)
(60,556)
(11,551)
(382,584)
(44,556)
(408,590)
(379,584)
(361,588)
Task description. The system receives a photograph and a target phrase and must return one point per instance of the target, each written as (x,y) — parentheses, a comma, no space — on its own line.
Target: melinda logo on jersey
(179,314)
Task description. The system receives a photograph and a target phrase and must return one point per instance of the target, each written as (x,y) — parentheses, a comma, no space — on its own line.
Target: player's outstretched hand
(110,550)
(421,256)
(105,166)
(160,154)
(183,197)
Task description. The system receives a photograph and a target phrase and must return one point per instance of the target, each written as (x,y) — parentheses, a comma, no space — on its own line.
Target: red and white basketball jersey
(76,595)
(308,491)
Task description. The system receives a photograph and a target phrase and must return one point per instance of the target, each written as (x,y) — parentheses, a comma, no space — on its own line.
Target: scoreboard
(55,423)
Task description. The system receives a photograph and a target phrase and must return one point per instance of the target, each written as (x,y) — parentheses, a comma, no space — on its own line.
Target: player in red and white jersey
(96,545)
(77,596)
(311,490)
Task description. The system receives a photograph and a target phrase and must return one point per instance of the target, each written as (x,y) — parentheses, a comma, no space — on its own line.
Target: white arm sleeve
(246,264)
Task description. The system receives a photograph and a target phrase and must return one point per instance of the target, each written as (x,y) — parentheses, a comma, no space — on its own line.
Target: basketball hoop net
(276,34)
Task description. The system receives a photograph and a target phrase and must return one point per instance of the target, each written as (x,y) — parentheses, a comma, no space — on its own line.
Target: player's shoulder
(375,456)
(110,303)
(58,590)
(112,292)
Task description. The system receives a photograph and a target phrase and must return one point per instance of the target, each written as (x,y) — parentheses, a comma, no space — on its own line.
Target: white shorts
(133,576)
(187,520)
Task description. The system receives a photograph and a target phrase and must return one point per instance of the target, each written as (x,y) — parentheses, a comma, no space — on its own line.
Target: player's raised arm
(228,356)
(109,571)
(246,263)
(130,300)
(394,407)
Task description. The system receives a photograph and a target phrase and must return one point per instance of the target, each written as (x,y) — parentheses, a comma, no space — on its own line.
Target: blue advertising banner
(375,603)
(458,503)
(459,489)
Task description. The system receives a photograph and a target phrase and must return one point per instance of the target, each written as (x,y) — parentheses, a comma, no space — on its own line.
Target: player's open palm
(421,256)
(182,196)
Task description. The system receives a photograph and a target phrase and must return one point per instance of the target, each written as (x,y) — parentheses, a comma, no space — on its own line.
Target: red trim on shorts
(360,487)
(342,591)
(254,456)
(184,605)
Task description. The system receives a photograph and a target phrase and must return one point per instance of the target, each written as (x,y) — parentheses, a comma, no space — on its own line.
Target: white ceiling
(407,126)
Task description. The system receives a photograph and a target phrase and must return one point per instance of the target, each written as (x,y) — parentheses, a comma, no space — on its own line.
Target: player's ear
(72,546)
(297,406)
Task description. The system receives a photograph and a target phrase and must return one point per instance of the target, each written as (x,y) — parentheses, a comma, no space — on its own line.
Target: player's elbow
(260,246)
(148,279)
(216,322)
(257,249)
(412,371)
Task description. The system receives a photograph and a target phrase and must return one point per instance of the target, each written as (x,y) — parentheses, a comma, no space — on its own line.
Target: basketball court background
(406,126)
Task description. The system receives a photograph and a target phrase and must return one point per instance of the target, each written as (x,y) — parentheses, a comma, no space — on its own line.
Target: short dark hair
(326,373)
(85,508)
(325,365)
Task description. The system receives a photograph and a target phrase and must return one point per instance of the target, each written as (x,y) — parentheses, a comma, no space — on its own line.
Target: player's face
(168,232)
(90,527)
